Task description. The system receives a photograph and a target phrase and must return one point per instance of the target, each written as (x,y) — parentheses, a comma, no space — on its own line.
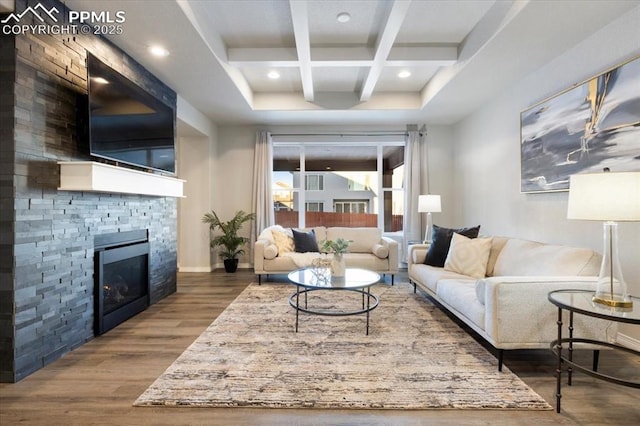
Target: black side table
(579,301)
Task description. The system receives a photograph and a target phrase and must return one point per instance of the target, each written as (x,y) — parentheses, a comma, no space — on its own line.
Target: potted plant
(338,247)
(230,242)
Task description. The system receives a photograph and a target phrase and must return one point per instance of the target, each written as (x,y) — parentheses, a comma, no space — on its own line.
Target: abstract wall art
(584,129)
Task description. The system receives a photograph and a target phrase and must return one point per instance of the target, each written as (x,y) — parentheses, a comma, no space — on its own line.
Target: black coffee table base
(369,303)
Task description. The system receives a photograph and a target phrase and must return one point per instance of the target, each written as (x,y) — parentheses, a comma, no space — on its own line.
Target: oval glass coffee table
(320,279)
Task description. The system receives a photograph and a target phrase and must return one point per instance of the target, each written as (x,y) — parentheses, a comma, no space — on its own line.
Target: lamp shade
(429,204)
(605,196)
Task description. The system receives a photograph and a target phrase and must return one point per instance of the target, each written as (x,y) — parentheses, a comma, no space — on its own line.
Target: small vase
(338,265)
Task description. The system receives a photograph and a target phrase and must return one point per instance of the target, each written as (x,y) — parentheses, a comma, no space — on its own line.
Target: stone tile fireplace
(47,292)
(121,278)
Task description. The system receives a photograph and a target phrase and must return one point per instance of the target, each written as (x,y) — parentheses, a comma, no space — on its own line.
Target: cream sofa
(509,307)
(368,249)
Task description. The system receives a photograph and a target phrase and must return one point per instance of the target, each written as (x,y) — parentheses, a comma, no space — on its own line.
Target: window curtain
(415,167)
(262,204)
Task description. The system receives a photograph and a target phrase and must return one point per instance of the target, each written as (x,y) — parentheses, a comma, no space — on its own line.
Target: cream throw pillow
(468,256)
(380,250)
(270,251)
(283,241)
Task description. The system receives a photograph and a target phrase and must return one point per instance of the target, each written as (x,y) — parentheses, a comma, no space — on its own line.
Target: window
(314,183)
(339,183)
(350,207)
(314,206)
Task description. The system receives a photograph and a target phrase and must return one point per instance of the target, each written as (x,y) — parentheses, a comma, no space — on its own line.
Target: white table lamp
(609,197)
(429,204)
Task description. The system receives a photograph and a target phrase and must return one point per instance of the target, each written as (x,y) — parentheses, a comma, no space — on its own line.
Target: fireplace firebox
(121,277)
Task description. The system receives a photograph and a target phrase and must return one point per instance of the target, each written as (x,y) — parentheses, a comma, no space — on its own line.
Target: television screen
(126,123)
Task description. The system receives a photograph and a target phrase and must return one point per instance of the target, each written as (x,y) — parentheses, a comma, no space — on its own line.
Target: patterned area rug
(414,357)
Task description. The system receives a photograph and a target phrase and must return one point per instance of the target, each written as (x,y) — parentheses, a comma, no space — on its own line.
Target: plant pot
(230,265)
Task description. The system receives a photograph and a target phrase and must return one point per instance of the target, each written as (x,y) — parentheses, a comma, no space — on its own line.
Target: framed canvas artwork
(589,127)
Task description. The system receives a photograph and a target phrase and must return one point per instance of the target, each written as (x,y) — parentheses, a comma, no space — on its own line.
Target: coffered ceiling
(457,53)
(315,54)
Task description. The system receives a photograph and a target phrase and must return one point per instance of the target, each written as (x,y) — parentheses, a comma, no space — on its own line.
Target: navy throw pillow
(441,240)
(305,241)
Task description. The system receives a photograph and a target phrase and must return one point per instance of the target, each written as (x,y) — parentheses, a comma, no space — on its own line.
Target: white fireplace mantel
(99,177)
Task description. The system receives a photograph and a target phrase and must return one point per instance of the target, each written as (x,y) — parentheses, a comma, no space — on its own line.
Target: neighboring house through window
(339,183)
(350,207)
(314,182)
(314,206)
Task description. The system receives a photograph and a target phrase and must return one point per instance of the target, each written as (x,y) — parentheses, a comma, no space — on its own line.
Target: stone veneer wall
(7,73)
(48,308)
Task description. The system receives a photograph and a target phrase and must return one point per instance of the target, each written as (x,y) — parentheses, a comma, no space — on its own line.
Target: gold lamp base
(614,303)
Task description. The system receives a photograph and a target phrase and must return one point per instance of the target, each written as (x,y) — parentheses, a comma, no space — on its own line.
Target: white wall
(438,180)
(197,145)
(487,155)
(234,178)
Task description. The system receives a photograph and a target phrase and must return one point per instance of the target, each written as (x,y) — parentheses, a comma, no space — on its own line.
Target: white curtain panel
(262,204)
(414,167)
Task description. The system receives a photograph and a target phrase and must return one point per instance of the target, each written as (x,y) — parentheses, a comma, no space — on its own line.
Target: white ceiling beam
(288,57)
(337,54)
(387,37)
(422,55)
(263,57)
(300,19)
(340,63)
(360,56)
(416,63)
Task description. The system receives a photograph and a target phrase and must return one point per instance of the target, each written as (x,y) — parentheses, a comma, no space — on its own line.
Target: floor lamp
(428,204)
(609,197)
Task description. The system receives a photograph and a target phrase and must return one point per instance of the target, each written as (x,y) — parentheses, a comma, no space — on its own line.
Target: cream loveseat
(275,252)
(506,303)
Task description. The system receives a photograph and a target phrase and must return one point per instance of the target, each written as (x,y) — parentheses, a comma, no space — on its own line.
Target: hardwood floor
(98,382)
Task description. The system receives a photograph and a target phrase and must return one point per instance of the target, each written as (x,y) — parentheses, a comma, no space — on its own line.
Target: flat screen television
(127,124)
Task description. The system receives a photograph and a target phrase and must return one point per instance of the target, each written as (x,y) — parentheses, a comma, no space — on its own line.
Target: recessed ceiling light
(100,80)
(343,17)
(158,51)
(404,74)
(273,75)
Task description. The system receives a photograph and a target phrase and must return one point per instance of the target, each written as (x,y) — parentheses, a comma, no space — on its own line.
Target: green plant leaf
(229,241)
(337,246)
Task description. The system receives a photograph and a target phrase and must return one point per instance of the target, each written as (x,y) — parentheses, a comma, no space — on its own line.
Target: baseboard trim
(240,266)
(194,269)
(211,268)
(628,341)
